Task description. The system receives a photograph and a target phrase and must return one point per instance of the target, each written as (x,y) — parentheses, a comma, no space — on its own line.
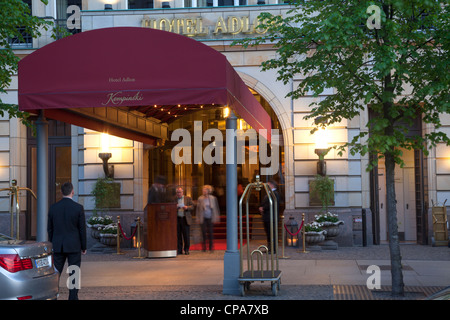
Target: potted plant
(108,235)
(328,219)
(97,223)
(106,194)
(314,233)
(322,189)
(330,223)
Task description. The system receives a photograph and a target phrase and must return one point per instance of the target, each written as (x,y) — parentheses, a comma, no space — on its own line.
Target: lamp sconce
(107,168)
(165,5)
(226,112)
(321,164)
(322,148)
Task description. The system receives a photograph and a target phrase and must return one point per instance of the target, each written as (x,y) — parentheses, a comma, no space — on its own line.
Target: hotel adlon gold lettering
(194,27)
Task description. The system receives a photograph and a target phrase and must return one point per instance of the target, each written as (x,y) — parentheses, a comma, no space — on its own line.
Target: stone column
(231,257)
(42,177)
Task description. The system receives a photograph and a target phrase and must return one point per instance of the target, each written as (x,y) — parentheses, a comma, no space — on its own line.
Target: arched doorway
(193,176)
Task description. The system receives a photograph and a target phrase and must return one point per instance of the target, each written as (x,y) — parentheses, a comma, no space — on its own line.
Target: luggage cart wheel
(275,288)
(242,289)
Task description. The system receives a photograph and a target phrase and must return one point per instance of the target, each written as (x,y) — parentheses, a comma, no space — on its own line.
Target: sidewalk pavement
(325,275)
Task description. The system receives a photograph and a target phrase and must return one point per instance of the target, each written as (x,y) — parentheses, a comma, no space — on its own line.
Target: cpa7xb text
(231,309)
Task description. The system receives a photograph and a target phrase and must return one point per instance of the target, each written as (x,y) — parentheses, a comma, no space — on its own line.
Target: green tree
(390,56)
(15,14)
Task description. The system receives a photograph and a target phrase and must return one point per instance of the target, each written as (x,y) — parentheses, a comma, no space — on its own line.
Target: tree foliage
(399,71)
(15,14)
(388,56)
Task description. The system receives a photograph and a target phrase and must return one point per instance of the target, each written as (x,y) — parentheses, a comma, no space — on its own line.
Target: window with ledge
(25,40)
(140,4)
(211,3)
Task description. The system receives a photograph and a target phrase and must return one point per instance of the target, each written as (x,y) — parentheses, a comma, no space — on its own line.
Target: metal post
(42,177)
(283,238)
(231,258)
(118,236)
(139,243)
(11,210)
(303,234)
(14,194)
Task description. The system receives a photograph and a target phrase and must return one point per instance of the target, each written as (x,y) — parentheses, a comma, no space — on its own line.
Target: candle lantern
(136,241)
(291,234)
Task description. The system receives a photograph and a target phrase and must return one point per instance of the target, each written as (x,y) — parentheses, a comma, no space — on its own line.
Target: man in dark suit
(67,232)
(185,206)
(264,209)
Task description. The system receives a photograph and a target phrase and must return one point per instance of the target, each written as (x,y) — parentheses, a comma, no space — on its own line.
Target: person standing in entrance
(207,213)
(157,192)
(185,206)
(67,232)
(264,209)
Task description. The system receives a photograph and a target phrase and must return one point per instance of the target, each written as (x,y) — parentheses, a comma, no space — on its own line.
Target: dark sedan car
(26,270)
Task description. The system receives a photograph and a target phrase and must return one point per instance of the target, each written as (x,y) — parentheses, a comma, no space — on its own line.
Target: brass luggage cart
(271,272)
(440,228)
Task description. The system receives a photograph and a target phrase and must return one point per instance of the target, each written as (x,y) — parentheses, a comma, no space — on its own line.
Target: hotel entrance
(185,82)
(193,176)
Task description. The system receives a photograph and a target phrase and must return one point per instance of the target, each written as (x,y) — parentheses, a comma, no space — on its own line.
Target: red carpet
(219,244)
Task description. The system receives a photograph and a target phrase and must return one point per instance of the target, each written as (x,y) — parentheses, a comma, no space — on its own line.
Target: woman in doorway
(207,214)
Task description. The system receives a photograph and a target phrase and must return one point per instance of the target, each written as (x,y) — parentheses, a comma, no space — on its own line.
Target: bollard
(283,237)
(303,234)
(138,226)
(118,236)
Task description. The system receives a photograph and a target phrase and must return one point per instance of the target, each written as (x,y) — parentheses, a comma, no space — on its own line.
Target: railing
(24,41)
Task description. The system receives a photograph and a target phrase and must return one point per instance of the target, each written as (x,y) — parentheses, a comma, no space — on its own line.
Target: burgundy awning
(134,69)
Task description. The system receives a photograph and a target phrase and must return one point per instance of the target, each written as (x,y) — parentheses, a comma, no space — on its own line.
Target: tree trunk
(394,245)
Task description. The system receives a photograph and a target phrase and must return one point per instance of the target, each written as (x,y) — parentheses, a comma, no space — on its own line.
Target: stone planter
(95,233)
(332,231)
(108,239)
(312,239)
(96,229)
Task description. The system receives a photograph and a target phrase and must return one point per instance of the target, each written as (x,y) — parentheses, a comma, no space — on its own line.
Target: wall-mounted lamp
(165,5)
(226,112)
(108,6)
(321,136)
(107,168)
(105,155)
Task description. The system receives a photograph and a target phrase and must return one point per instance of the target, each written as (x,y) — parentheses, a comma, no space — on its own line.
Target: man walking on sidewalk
(67,232)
